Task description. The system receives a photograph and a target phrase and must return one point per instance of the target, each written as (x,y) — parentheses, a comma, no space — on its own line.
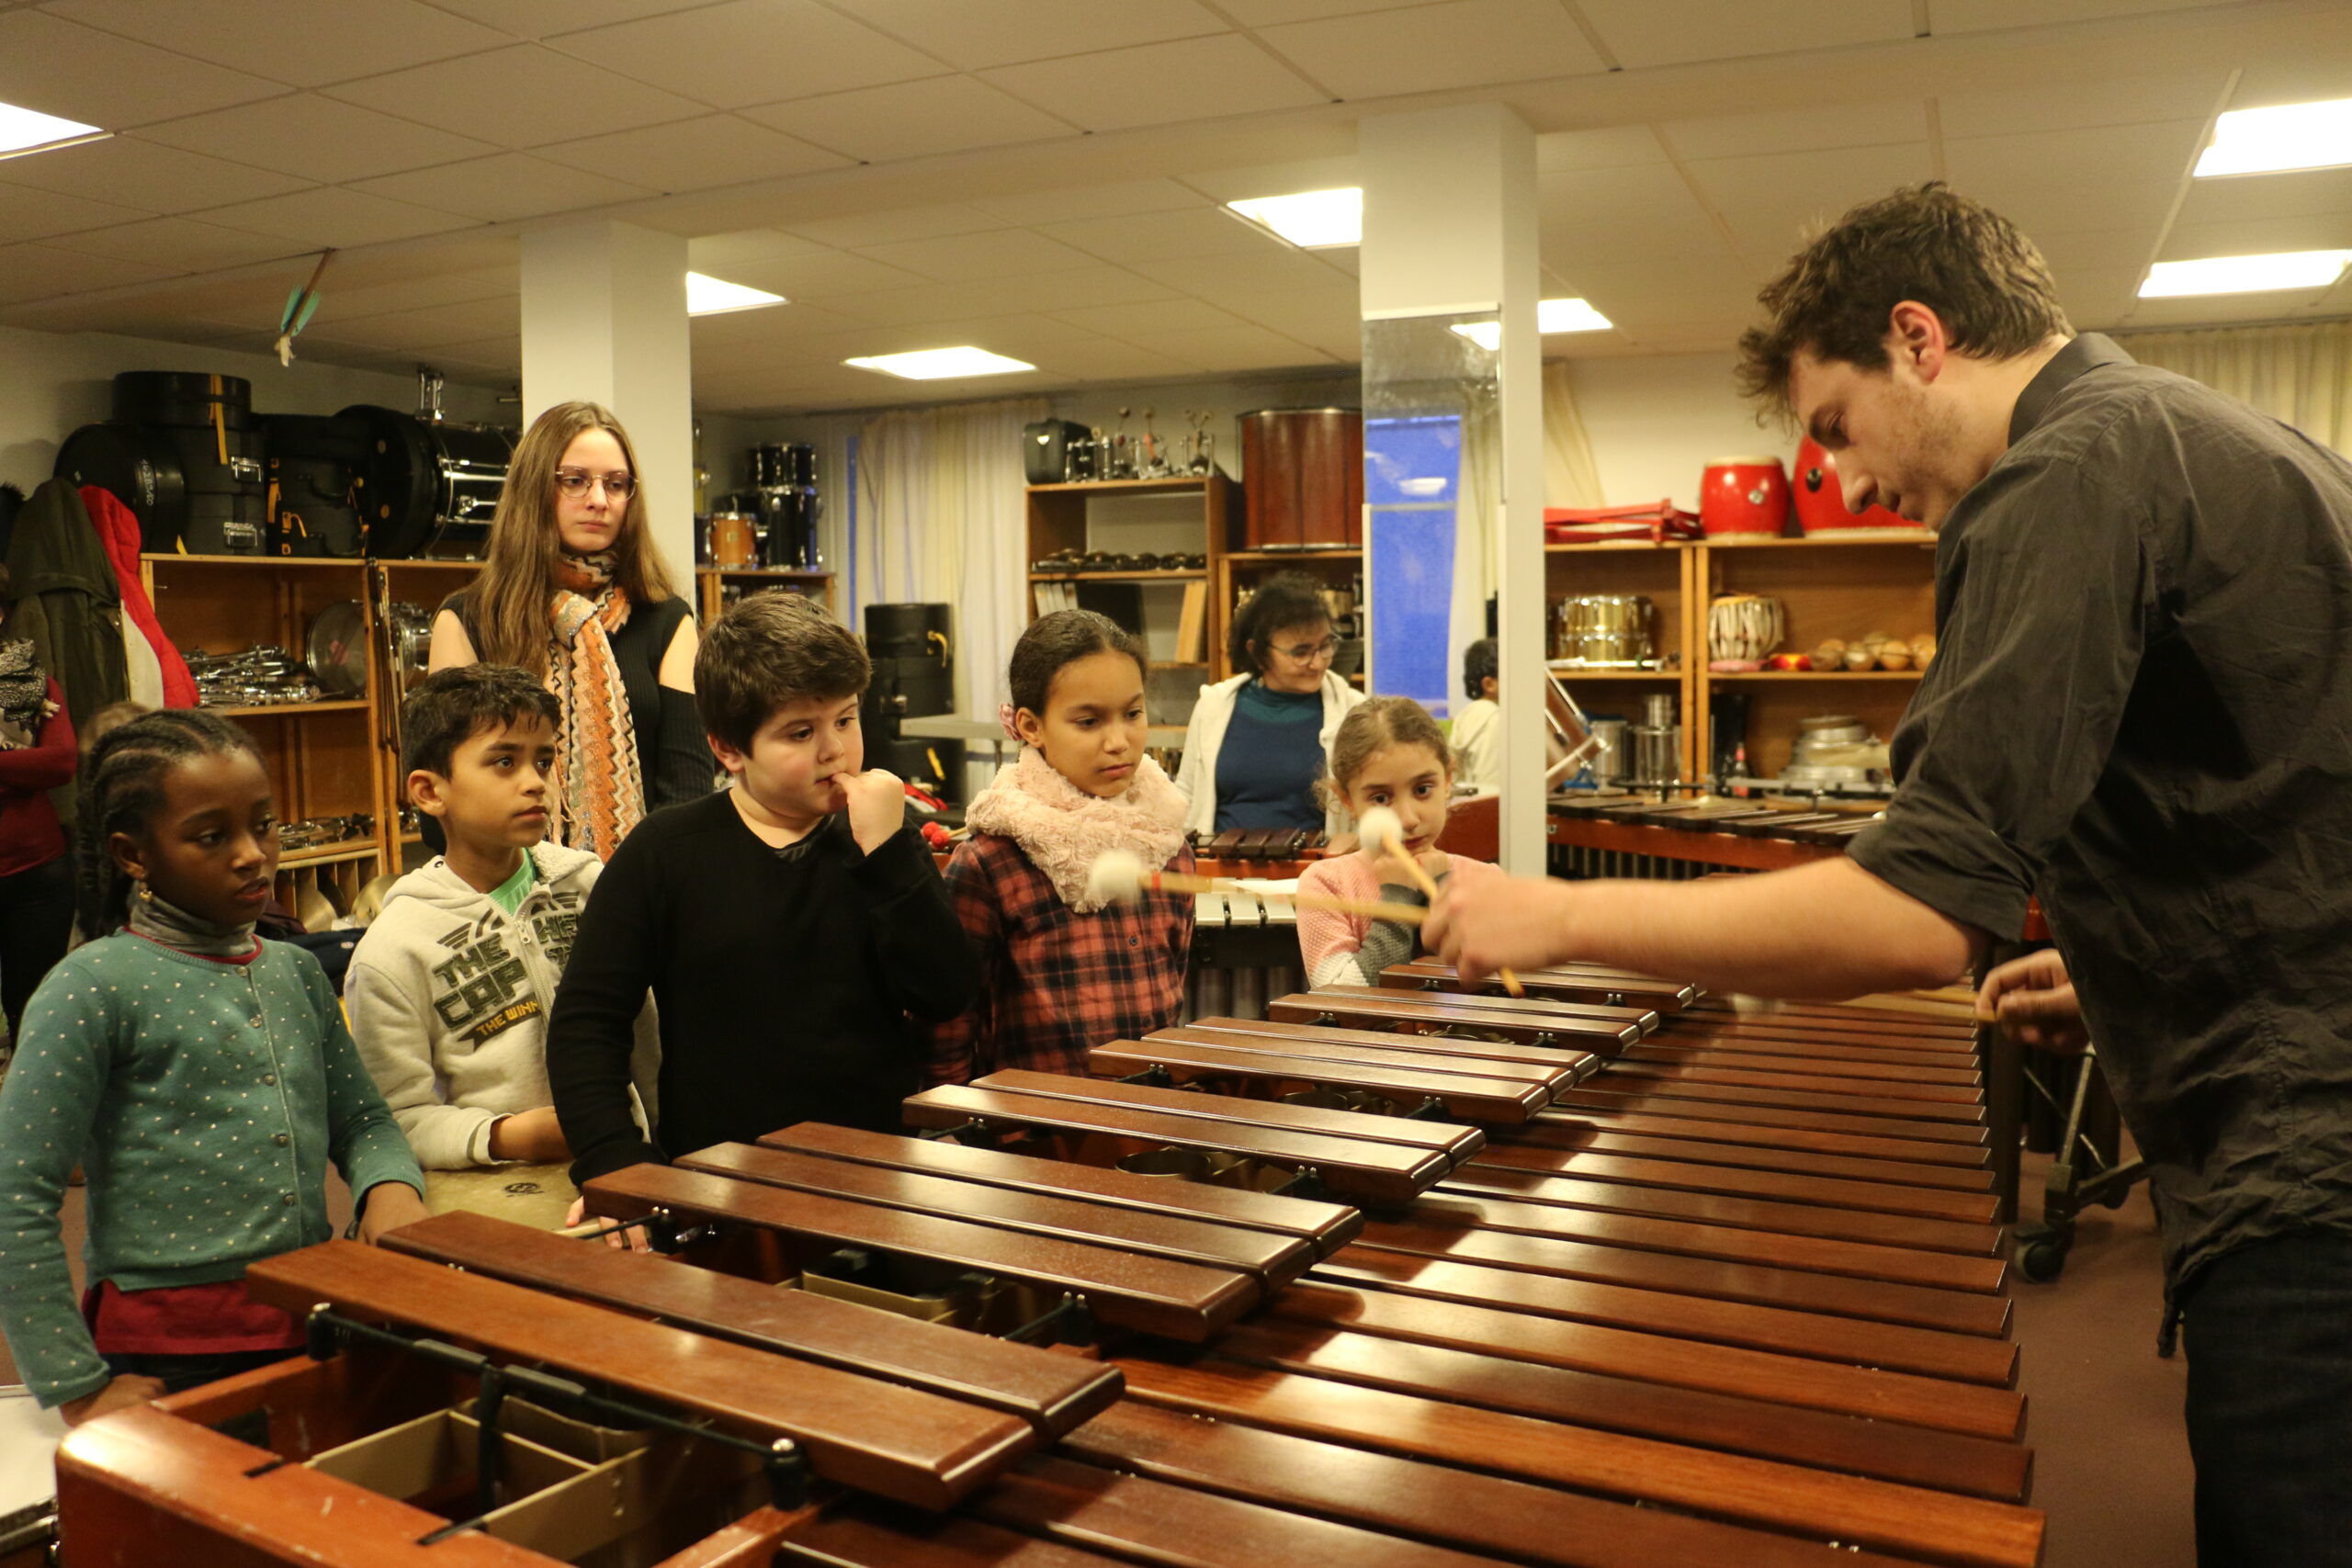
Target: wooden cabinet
(715,587)
(1828,587)
(1239,573)
(1187,516)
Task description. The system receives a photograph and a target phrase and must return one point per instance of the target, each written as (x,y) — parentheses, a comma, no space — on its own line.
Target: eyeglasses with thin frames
(1311,652)
(575,481)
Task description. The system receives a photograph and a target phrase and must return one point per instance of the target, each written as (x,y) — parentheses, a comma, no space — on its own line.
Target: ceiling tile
(1268,179)
(440,323)
(974,37)
(911,119)
(695,154)
(1643,32)
(2118,100)
(1466,43)
(1165,236)
(1232,348)
(1110,361)
(966,258)
(2072,251)
(1076,291)
(1091,201)
(137,173)
(337,303)
(328,216)
(38,271)
(1616,147)
(1159,83)
(1311,315)
(1799,130)
(38,214)
(318,139)
(2117,154)
(751,52)
(1158,315)
(2254,198)
(2188,241)
(1773,199)
(1267,271)
(899,223)
(1270,12)
(755,246)
(1983,15)
(181,242)
(813,275)
(60,67)
(522,97)
(300,42)
(543,18)
(1624,202)
(503,188)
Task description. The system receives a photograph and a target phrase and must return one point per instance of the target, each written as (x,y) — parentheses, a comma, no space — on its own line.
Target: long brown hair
(511,597)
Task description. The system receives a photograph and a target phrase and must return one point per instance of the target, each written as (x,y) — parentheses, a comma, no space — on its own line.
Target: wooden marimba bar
(1612,1277)
(1675,840)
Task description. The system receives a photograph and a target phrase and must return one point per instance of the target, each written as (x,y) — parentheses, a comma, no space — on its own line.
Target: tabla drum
(427,487)
(734,540)
(1820,497)
(1302,474)
(187,501)
(1743,495)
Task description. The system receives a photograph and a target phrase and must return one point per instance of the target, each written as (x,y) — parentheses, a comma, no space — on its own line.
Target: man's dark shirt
(2142,708)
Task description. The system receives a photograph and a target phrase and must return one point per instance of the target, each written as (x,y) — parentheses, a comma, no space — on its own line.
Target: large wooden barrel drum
(1303,479)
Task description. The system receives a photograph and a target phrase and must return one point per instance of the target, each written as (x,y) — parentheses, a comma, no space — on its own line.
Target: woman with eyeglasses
(575,593)
(1259,742)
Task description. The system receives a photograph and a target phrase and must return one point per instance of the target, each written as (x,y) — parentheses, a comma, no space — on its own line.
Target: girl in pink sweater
(1388,752)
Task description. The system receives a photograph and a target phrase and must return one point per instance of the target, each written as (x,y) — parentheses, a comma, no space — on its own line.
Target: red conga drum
(1821,500)
(1743,495)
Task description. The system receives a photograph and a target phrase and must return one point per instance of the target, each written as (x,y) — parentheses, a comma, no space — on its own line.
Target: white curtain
(2302,375)
(1570,476)
(943,518)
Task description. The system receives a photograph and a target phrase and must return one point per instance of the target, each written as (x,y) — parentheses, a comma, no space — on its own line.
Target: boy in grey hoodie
(448,990)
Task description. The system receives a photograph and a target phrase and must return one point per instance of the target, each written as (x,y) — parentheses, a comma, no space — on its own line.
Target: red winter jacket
(119,531)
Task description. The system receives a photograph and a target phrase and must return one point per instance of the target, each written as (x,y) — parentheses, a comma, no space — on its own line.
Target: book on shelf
(1192,625)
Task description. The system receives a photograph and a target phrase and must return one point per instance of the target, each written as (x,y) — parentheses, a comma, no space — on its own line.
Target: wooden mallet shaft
(1394,842)
(1371,909)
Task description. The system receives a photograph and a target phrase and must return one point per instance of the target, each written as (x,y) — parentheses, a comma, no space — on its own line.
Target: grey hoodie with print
(448,1000)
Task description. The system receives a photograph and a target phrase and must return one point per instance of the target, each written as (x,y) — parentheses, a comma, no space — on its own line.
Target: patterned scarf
(1062,829)
(164,922)
(602,796)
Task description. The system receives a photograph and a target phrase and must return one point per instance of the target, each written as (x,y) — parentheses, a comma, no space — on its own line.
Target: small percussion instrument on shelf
(1743,495)
(1820,499)
(734,540)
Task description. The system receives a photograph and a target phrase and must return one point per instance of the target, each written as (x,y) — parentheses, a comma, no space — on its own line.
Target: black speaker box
(1046,451)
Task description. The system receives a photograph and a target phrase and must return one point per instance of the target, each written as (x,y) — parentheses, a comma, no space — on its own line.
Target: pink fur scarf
(1062,829)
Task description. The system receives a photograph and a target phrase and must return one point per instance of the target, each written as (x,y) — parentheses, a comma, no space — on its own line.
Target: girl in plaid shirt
(1388,752)
(1061,972)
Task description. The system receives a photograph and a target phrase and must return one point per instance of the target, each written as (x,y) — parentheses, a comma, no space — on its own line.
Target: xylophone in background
(1674,840)
(1245,954)
(1611,1276)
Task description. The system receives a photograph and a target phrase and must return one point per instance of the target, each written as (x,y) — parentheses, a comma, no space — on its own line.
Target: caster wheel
(2117,1199)
(2043,1261)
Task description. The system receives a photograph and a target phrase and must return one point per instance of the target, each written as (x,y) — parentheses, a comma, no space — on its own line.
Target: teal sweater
(204,1101)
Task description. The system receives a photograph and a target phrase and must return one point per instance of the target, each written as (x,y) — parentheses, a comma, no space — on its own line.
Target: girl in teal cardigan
(201,1077)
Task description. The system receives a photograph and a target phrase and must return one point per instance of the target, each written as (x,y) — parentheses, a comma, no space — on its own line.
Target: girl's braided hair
(121,788)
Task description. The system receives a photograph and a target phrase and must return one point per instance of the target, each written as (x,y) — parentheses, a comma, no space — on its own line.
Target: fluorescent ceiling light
(1312,219)
(2244,275)
(715,296)
(2291,136)
(1551,316)
(25,130)
(940,364)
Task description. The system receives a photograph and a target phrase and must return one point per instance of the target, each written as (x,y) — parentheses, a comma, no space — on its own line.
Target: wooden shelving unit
(1062,517)
(1336,566)
(710,586)
(1831,586)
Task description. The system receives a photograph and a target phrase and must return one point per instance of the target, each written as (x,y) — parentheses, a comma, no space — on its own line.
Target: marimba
(1611,1275)
(1675,839)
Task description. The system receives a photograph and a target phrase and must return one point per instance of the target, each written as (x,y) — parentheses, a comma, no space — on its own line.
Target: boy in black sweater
(791,927)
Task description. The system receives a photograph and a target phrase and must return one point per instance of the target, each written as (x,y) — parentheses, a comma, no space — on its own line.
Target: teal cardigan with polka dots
(204,1100)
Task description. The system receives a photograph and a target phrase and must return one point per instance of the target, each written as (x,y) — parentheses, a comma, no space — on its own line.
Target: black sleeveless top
(671,756)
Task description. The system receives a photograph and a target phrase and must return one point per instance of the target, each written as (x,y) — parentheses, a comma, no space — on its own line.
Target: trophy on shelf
(1203,445)
(1117,452)
(1155,455)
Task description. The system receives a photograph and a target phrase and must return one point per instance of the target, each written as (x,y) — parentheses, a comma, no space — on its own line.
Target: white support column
(605,321)
(1449,231)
